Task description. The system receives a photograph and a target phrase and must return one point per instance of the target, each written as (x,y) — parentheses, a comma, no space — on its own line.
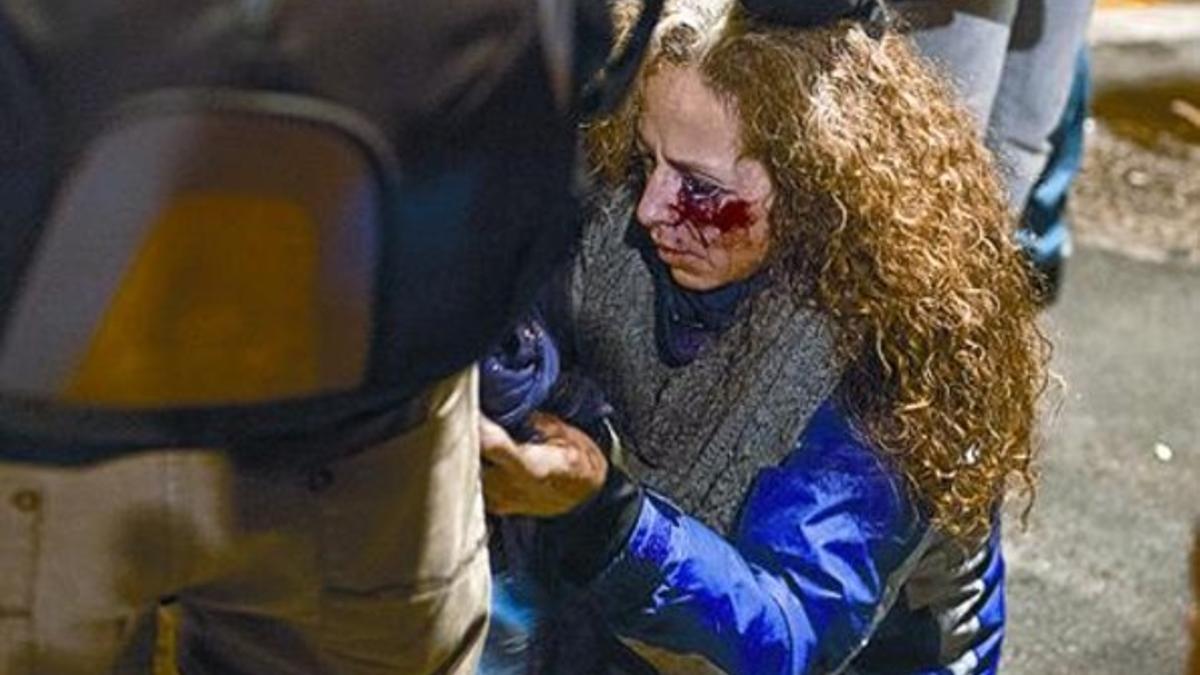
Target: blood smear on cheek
(705,211)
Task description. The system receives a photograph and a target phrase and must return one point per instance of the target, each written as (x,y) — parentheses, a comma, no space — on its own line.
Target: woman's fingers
(581,451)
(547,426)
(539,479)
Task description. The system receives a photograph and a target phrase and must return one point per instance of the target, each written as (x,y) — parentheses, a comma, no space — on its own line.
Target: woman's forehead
(685,120)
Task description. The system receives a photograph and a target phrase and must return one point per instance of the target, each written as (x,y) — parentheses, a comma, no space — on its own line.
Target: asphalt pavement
(1098,580)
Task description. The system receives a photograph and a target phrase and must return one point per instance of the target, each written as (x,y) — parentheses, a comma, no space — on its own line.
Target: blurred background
(1099,578)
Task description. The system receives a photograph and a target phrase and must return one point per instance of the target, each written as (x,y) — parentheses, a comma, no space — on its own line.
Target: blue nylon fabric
(654,594)
(797,587)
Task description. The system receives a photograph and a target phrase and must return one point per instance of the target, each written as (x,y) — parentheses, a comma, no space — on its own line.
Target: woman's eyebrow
(695,168)
(682,165)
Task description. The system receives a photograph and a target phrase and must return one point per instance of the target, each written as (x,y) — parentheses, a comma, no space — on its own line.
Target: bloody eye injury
(703,205)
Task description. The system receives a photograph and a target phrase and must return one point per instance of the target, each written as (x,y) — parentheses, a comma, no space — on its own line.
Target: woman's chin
(692,279)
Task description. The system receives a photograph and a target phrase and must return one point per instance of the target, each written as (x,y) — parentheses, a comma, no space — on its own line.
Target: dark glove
(517,376)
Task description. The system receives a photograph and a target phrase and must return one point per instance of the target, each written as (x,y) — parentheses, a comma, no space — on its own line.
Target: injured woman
(766,420)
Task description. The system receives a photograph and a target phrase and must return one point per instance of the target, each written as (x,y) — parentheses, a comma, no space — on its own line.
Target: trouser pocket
(404,564)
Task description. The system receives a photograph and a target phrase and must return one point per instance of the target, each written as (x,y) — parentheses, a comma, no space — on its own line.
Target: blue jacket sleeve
(798,587)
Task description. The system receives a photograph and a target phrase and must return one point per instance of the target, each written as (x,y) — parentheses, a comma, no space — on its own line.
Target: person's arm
(796,590)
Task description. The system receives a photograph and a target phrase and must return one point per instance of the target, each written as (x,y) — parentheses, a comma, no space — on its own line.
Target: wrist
(592,534)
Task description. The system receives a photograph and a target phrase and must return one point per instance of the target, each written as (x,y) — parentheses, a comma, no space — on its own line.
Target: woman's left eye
(698,188)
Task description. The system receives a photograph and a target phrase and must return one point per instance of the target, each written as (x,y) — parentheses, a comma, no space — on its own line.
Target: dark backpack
(257,223)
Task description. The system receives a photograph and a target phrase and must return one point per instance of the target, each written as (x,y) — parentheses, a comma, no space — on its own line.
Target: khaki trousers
(185,561)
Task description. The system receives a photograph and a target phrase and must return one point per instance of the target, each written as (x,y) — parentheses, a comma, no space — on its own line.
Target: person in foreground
(247,267)
(800,297)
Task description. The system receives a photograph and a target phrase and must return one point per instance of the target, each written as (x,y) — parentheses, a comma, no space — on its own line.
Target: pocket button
(26,501)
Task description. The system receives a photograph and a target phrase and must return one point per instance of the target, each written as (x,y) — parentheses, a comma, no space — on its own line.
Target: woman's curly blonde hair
(889,217)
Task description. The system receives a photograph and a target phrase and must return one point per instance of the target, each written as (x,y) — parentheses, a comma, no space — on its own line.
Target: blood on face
(705,206)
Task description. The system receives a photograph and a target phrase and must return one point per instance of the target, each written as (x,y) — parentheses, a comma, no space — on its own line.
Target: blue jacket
(831,568)
(805,580)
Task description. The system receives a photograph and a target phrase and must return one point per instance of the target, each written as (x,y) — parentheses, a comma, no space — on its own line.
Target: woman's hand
(545,478)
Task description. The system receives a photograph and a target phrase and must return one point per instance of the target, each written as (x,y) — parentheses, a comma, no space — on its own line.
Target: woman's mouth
(665,252)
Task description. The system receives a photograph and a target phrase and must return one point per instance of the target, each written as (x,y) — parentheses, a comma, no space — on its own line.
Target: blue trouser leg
(1045,233)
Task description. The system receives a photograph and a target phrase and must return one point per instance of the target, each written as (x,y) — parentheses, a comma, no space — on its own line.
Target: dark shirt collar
(686,320)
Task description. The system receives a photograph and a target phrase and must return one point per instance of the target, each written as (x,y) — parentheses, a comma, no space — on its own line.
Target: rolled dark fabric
(810,13)
(517,376)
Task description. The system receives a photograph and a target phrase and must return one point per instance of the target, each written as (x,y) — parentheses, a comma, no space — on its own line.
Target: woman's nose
(658,196)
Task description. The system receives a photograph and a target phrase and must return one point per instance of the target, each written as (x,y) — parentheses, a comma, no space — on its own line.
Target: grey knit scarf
(700,432)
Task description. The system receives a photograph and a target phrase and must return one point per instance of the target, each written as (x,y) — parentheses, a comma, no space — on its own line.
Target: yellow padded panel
(217,307)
